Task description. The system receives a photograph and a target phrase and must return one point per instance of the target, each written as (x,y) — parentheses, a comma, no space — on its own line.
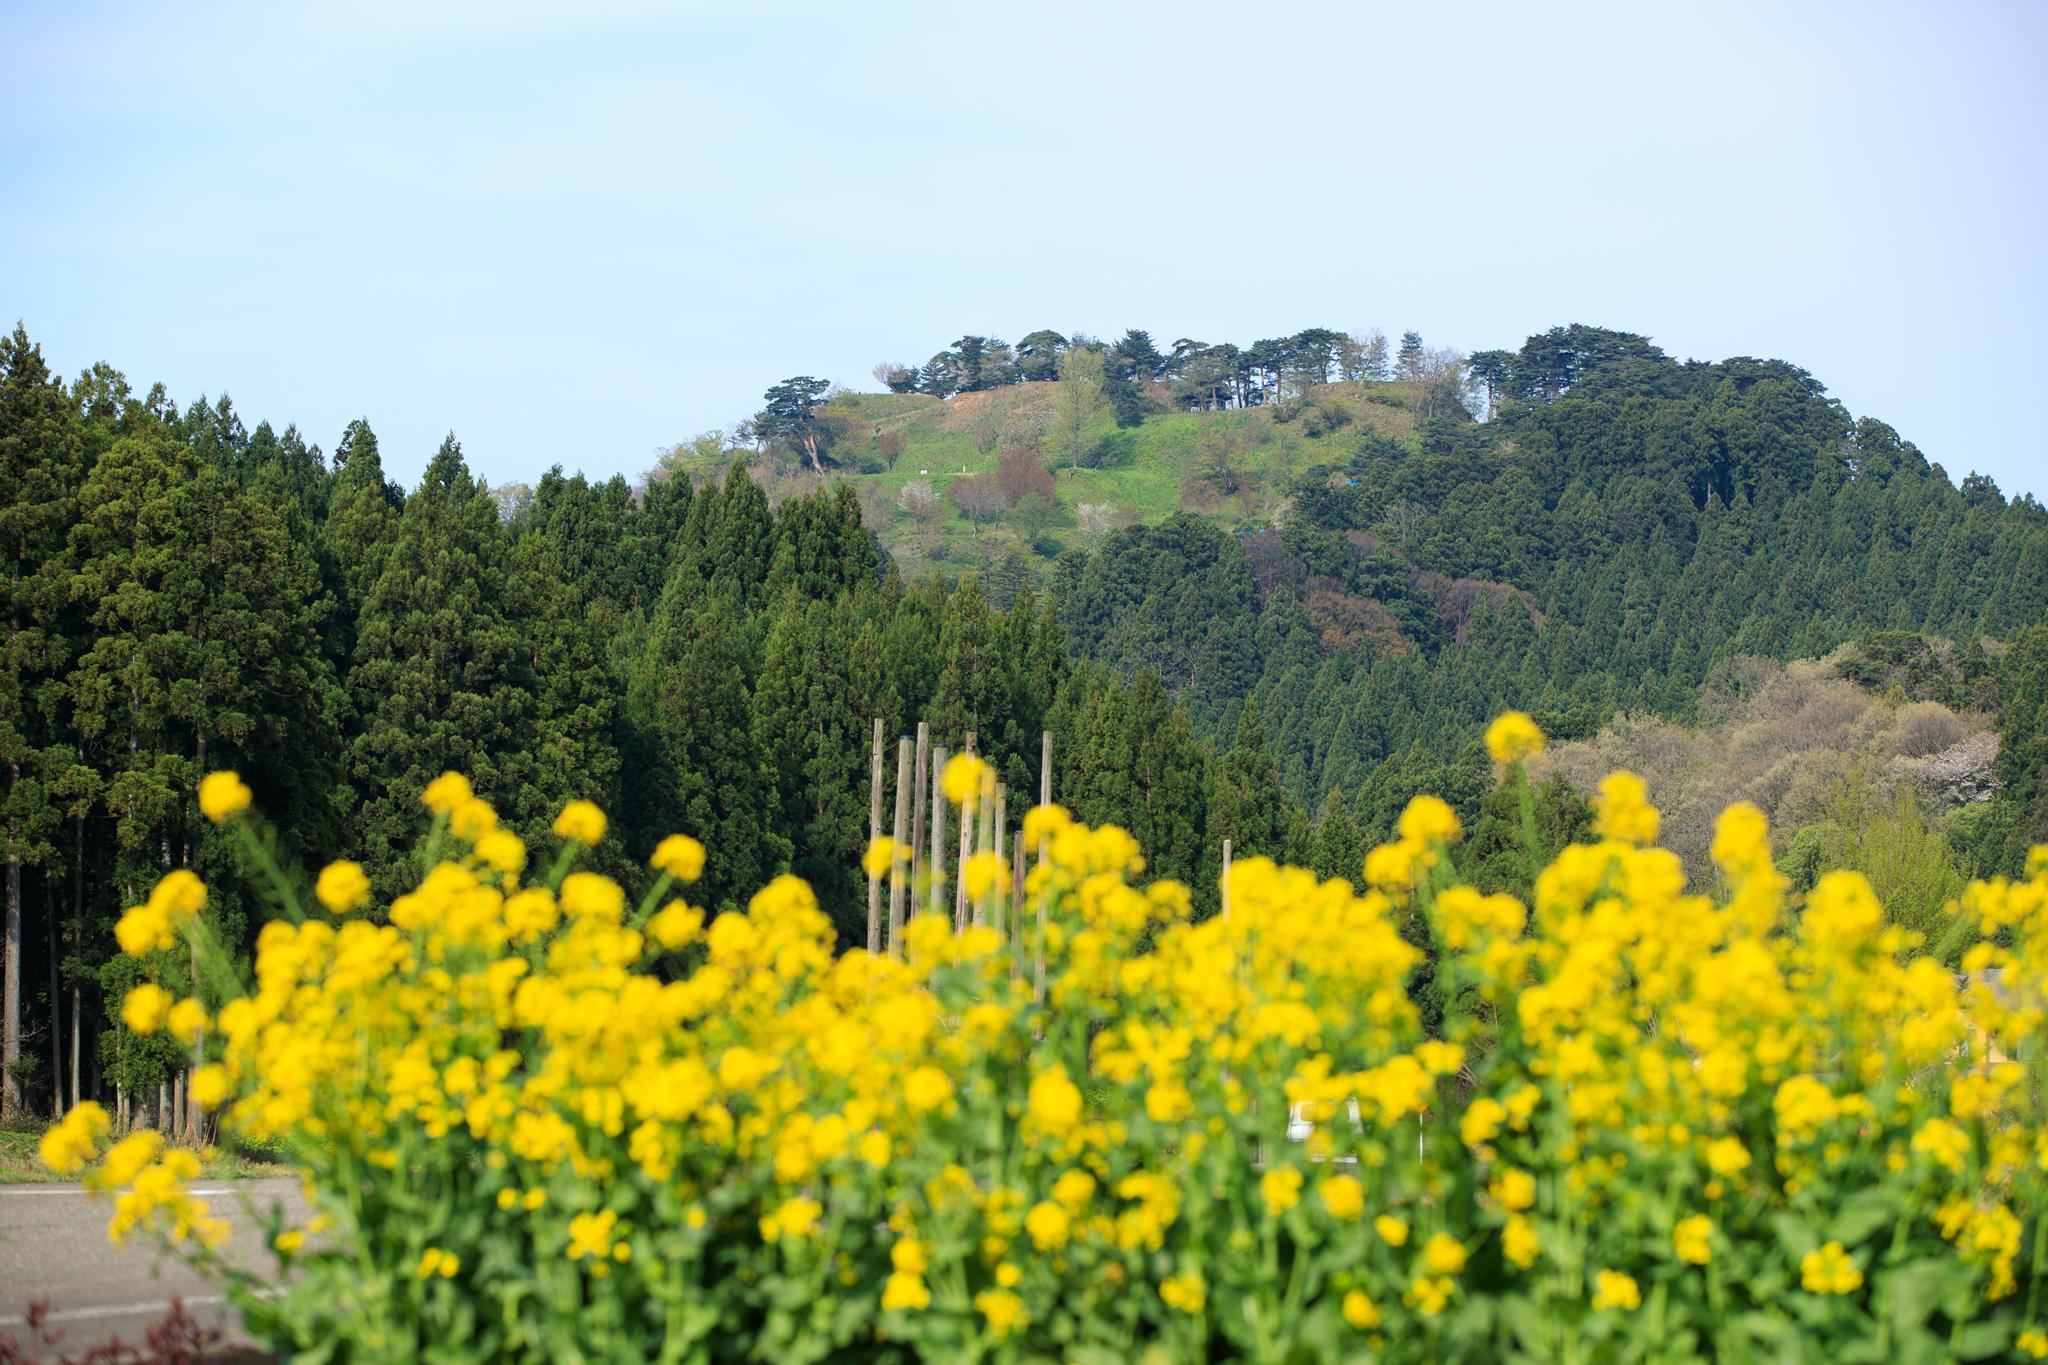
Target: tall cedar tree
(807,727)
(442,679)
(695,767)
(40,464)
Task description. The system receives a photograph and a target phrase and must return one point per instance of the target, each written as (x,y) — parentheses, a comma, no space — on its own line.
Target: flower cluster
(540,1120)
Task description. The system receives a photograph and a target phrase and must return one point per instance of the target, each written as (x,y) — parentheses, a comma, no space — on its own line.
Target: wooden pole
(1045,770)
(997,827)
(918,856)
(874,833)
(938,847)
(1226,879)
(1016,918)
(967,814)
(897,869)
(1044,852)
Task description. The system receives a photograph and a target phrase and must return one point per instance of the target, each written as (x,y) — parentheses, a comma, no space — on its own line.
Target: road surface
(54,1249)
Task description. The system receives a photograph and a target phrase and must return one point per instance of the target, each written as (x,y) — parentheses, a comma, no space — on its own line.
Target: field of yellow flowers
(542,1121)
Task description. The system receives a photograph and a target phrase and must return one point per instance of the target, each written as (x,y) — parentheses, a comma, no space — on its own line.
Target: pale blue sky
(580,233)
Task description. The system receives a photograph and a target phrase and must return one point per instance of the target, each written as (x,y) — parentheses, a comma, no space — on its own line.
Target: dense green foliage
(186,594)
(1621,525)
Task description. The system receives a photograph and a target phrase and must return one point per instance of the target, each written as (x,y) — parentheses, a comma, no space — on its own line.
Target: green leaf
(1916,1289)
(1981,1340)
(1795,1235)
(1862,1214)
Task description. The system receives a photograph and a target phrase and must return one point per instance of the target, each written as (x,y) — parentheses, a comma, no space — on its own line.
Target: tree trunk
(56,998)
(1044,852)
(966,847)
(897,868)
(874,834)
(918,791)
(77,939)
(938,844)
(10,984)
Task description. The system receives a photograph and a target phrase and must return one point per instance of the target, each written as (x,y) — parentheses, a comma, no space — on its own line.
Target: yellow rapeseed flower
(1519,1242)
(680,857)
(342,886)
(146,1008)
(1005,1312)
(590,895)
(1482,1120)
(223,794)
(1829,1271)
(144,929)
(962,779)
(1360,1311)
(1690,1239)
(186,1020)
(1343,1196)
(446,792)
(1727,1156)
(903,1292)
(590,1235)
(581,821)
(1444,1254)
(1946,1143)
(70,1142)
(1429,1295)
(879,858)
(210,1085)
(1393,1231)
(1054,1102)
(1624,809)
(1515,1189)
(926,1088)
(1612,1289)
(1280,1188)
(1513,737)
(676,925)
(502,851)
(1049,1224)
(473,819)
(1429,819)
(178,895)
(1184,1291)
(434,1261)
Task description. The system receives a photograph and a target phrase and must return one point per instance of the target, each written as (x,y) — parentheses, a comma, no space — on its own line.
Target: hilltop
(1237,468)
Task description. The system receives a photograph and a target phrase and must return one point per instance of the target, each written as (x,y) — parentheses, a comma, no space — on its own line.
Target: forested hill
(1362,573)
(1623,523)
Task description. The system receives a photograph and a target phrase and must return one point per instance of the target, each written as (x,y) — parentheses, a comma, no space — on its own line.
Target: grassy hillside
(1134,475)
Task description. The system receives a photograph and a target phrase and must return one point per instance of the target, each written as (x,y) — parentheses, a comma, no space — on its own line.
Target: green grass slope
(1232,467)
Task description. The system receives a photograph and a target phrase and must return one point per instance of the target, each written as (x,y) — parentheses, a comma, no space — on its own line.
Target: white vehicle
(1304,1121)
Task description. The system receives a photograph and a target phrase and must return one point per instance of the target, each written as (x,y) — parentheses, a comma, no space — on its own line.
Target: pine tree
(40,466)
(693,765)
(441,679)
(972,692)
(1339,845)
(355,539)
(1247,805)
(813,738)
(575,751)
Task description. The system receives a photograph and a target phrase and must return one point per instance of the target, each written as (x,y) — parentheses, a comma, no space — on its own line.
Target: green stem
(1526,797)
(649,901)
(280,885)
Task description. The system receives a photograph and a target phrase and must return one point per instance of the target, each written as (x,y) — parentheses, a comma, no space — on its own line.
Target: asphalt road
(54,1249)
